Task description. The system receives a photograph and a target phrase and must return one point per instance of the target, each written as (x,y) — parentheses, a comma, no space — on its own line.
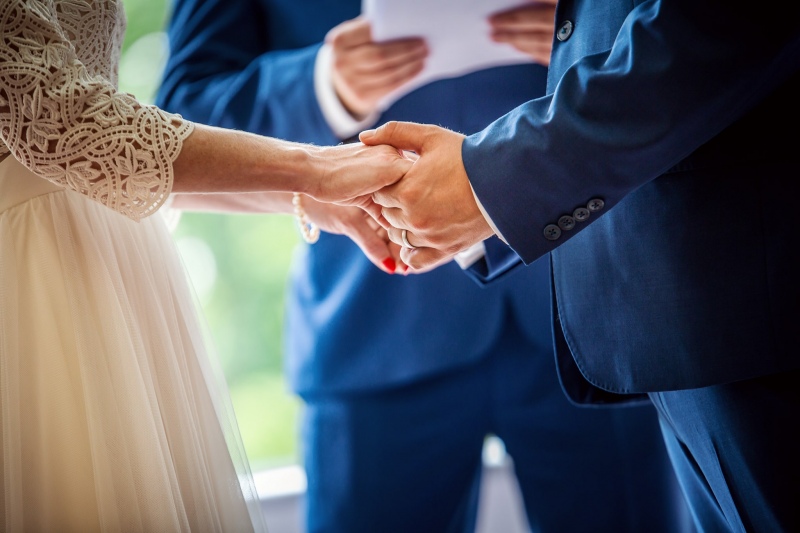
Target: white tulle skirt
(113,417)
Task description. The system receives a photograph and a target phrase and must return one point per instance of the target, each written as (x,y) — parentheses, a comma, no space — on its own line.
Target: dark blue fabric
(689,273)
(605,471)
(736,441)
(685,285)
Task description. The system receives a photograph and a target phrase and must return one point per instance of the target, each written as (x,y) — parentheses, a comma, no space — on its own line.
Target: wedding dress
(113,416)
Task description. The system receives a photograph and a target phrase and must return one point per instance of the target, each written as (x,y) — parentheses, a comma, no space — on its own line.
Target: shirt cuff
(486,216)
(468,257)
(342,123)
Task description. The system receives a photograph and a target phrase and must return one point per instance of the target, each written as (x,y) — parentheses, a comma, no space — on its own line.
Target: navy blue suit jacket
(248,65)
(680,116)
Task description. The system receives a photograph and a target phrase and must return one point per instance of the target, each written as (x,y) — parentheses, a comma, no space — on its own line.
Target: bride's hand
(350,171)
(360,227)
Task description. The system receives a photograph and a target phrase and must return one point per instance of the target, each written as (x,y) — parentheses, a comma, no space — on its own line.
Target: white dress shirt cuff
(468,257)
(342,123)
(486,216)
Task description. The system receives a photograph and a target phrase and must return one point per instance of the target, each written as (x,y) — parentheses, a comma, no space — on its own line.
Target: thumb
(402,135)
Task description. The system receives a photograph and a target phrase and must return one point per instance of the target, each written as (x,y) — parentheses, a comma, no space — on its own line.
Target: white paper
(457,32)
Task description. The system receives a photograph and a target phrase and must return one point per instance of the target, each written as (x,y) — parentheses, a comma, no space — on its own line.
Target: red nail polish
(405,268)
(390,264)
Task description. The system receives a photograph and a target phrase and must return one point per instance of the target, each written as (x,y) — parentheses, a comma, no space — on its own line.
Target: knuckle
(382,53)
(336,38)
(339,63)
(390,127)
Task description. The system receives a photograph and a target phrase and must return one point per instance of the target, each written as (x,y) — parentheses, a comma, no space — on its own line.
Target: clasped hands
(430,214)
(421,209)
(408,177)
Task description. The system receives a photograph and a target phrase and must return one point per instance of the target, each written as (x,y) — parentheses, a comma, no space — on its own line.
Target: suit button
(564,31)
(581,214)
(566,222)
(595,204)
(552,232)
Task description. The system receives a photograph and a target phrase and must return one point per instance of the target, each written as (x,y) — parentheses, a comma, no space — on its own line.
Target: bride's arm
(221,160)
(76,129)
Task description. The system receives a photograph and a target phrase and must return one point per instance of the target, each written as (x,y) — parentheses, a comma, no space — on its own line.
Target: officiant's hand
(365,71)
(433,202)
(529,29)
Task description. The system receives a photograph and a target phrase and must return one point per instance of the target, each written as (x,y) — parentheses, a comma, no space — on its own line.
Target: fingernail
(405,268)
(390,265)
(366,134)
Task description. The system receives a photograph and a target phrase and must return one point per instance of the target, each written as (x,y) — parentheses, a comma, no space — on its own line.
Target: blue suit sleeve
(622,111)
(218,73)
(498,261)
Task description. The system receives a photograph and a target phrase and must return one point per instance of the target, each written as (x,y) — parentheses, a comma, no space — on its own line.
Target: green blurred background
(239,266)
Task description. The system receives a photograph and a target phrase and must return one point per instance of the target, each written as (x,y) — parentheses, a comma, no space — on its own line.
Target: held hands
(434,202)
(361,228)
(347,173)
(365,71)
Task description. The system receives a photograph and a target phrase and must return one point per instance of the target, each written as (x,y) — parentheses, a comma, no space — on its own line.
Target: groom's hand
(433,202)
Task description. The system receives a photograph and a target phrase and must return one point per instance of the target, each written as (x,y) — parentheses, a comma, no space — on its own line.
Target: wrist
(357,110)
(342,123)
(314,171)
(296,168)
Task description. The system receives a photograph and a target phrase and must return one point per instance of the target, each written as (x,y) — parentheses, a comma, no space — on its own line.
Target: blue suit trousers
(735,453)
(425,440)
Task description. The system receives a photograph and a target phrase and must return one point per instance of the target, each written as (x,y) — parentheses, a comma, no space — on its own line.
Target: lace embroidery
(62,116)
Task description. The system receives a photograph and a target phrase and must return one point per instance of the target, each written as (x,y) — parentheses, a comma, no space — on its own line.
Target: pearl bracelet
(308,229)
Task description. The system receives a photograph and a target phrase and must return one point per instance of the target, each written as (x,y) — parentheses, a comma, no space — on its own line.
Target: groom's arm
(616,120)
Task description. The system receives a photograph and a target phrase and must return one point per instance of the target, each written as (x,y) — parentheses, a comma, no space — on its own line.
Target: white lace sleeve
(71,126)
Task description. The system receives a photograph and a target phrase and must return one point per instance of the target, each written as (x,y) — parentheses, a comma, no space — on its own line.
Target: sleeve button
(566,222)
(552,232)
(595,204)
(581,214)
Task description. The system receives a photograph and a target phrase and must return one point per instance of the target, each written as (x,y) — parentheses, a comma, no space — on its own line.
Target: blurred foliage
(244,310)
(144,16)
(243,282)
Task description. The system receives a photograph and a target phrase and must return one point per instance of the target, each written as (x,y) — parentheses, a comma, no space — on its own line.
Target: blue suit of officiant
(403,377)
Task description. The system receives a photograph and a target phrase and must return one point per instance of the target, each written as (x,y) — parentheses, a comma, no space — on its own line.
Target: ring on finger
(404,237)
